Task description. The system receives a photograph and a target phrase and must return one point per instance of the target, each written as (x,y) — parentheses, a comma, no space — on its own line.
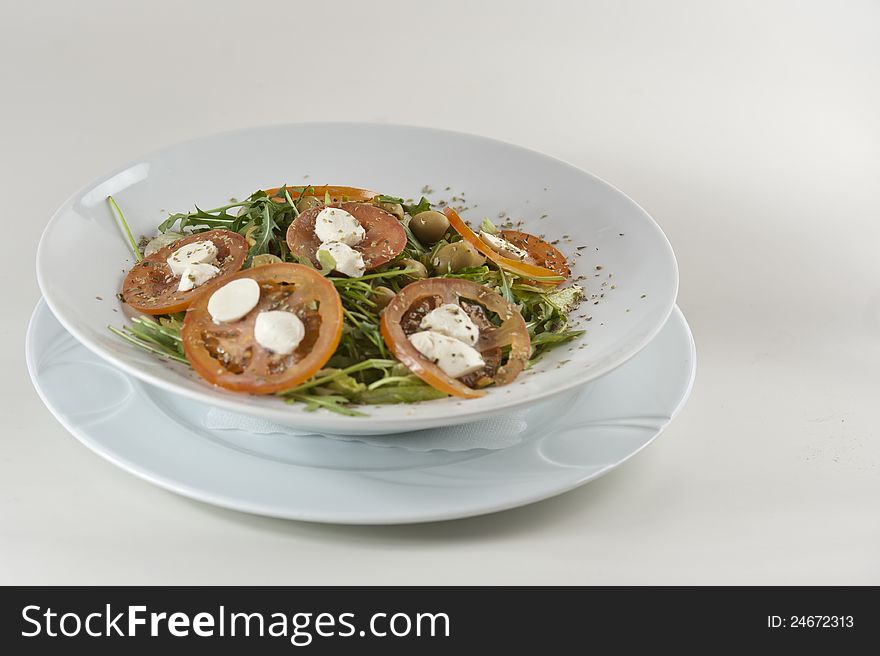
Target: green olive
(307,203)
(429,227)
(382,296)
(455,257)
(421,270)
(392,208)
(264,259)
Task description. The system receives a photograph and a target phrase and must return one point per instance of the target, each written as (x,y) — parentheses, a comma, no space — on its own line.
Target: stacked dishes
(260,459)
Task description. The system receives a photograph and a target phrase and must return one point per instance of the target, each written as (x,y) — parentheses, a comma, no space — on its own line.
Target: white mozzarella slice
(450,320)
(334,224)
(503,247)
(348,261)
(234,300)
(197,252)
(279,331)
(195,275)
(455,358)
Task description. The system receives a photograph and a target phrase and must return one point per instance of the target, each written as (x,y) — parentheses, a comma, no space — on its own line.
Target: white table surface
(751,132)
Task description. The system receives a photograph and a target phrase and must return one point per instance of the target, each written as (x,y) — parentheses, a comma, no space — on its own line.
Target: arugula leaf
(334,403)
(391,394)
(160,337)
(413,245)
(566,299)
(385,198)
(347,385)
(555,338)
(422,206)
(120,218)
(506,292)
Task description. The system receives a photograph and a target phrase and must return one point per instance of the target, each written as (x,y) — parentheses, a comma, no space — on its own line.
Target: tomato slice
(402,315)
(337,194)
(228,355)
(384,237)
(544,254)
(522,269)
(151,288)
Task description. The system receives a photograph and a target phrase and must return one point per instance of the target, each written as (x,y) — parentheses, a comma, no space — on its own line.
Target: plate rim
(228,502)
(209,396)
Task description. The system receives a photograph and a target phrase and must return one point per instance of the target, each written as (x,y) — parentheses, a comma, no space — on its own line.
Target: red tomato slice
(544,254)
(385,237)
(337,194)
(150,287)
(228,354)
(400,319)
(522,269)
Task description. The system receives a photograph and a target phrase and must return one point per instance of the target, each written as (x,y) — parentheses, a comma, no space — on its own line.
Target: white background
(751,132)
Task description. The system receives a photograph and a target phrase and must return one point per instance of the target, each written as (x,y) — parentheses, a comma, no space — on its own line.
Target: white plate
(630,266)
(161,437)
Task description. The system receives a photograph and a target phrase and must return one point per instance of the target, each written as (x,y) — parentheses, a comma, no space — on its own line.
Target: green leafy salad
(337,297)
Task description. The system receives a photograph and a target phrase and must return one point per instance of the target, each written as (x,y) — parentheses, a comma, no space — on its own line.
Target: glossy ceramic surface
(565,441)
(628,267)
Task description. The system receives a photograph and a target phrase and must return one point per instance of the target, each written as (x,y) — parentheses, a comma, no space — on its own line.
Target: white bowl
(627,261)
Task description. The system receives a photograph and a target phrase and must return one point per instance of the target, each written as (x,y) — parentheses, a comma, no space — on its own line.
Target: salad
(339,297)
